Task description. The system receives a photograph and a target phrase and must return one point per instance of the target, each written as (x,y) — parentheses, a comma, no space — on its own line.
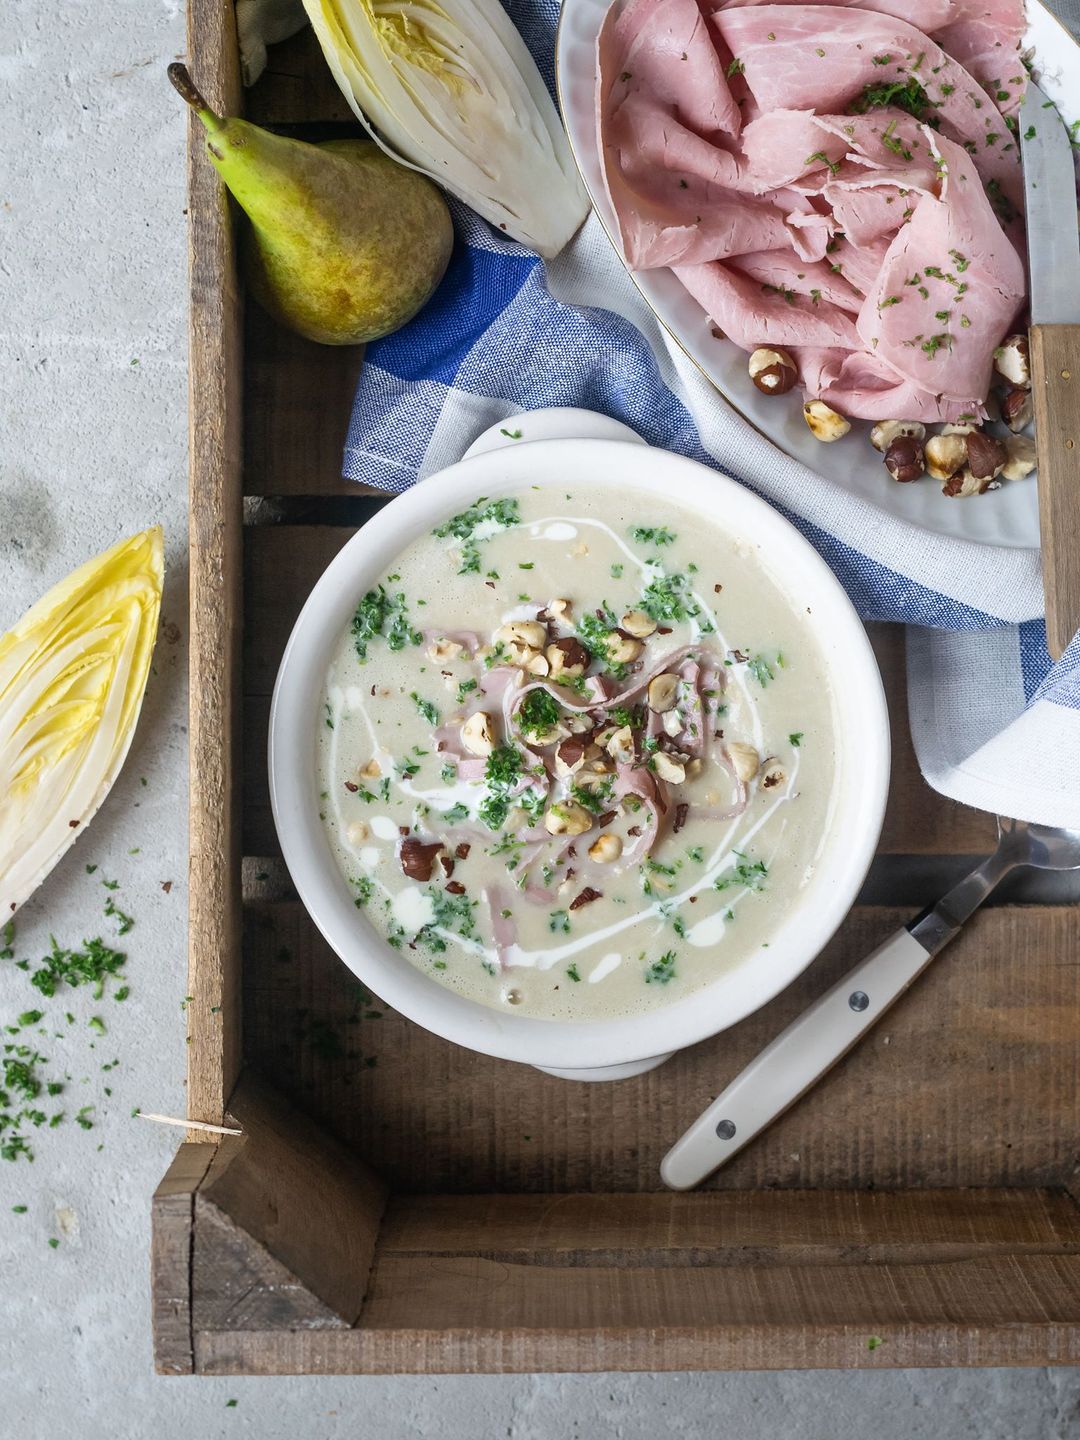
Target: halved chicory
(72,676)
(449,87)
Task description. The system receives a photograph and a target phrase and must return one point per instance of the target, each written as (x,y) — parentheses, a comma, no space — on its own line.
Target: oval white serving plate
(1005,517)
(862,746)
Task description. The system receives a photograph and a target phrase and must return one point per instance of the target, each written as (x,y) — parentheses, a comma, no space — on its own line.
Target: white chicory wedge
(72,676)
(451,89)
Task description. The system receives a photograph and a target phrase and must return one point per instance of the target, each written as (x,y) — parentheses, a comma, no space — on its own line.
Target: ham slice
(822,57)
(759,151)
(949,288)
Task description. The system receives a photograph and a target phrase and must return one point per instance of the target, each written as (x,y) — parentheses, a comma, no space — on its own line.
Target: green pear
(344,244)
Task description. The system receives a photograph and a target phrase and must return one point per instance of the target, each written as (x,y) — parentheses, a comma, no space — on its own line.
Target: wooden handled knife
(1054,353)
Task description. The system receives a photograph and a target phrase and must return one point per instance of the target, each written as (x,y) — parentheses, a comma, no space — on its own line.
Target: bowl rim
(739,990)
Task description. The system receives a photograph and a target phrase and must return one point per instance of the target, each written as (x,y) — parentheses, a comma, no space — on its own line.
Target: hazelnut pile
(965,458)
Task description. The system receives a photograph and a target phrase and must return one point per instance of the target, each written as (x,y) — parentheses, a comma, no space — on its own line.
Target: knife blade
(1050,204)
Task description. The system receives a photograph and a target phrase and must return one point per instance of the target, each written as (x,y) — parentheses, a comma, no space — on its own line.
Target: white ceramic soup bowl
(608,1049)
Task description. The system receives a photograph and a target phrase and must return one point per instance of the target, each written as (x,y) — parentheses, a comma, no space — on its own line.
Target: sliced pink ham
(822,57)
(788,218)
(752,314)
(949,288)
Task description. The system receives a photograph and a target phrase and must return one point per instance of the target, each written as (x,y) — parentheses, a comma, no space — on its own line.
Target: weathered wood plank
(297,401)
(286,1221)
(970,1080)
(170,1259)
(296,87)
(483,1317)
(733,1227)
(216,592)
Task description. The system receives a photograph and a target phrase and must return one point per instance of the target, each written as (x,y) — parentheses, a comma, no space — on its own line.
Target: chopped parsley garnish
(559,922)
(906,95)
(595,632)
(935,343)
(652,535)
(735,68)
(501,773)
(593,798)
(92,965)
(833,166)
(750,873)
(455,813)
(426,708)
(761,670)
(668,597)
(448,773)
(381,614)
(662,970)
(573,973)
(889,140)
(466,687)
(539,712)
(500,513)
(616,572)
(795,738)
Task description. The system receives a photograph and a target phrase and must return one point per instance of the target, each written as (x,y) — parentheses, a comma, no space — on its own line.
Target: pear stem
(183,84)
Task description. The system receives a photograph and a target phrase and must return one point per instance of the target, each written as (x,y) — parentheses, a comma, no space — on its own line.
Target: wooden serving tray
(395,1203)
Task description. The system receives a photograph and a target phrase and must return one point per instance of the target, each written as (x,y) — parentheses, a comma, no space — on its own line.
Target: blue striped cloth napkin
(996,725)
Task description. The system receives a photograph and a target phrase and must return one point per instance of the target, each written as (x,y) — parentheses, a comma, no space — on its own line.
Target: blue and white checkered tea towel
(996,725)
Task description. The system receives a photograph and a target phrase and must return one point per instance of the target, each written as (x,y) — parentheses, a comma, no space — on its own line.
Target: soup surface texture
(576,756)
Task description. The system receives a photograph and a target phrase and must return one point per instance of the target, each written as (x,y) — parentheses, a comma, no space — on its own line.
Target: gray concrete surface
(92,444)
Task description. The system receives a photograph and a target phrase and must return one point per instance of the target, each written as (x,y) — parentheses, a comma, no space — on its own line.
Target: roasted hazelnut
(773,371)
(671,768)
(638,624)
(442,649)
(622,649)
(945,455)
(662,692)
(1011,360)
(621,746)
(566,818)
(905,459)
(605,849)
(1017,408)
(418,859)
(567,658)
(477,736)
(885,432)
(569,757)
(744,760)
(826,424)
(964,484)
(528,634)
(772,774)
(1020,457)
(986,455)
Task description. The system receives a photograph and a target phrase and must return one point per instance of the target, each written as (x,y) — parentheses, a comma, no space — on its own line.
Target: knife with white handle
(1054,354)
(827,1029)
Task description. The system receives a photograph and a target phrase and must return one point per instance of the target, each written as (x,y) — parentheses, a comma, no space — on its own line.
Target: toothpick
(189,1124)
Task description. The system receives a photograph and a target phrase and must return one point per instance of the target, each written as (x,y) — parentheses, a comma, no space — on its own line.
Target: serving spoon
(824,1033)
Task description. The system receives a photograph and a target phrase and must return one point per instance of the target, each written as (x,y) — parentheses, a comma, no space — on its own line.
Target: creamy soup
(577,753)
